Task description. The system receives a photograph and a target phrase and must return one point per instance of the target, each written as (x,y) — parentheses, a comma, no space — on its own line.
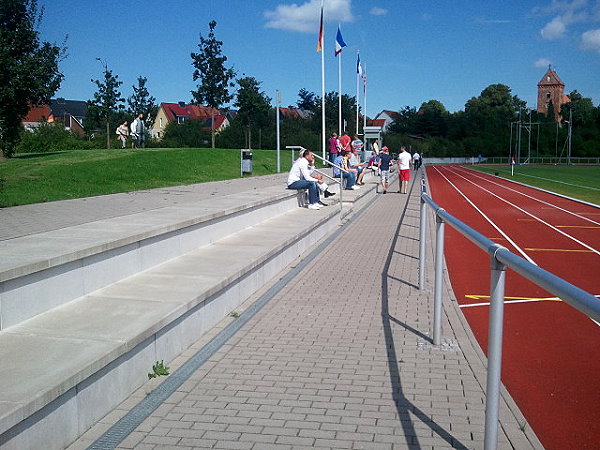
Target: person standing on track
(404,163)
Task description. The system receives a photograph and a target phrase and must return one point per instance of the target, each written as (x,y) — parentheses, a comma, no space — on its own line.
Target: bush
(185,135)
(51,138)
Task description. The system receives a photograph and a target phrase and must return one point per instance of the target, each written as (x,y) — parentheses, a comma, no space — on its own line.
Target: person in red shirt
(345,141)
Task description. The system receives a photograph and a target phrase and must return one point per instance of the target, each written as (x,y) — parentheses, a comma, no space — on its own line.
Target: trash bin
(246,161)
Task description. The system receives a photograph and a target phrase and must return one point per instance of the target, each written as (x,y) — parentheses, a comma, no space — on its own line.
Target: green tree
(141,102)
(253,105)
(30,74)
(432,119)
(308,100)
(215,78)
(107,98)
(405,121)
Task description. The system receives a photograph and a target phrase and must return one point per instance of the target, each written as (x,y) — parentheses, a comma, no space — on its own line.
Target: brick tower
(551,88)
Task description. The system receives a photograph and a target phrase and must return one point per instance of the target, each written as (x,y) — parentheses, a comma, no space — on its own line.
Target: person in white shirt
(416,160)
(404,163)
(300,178)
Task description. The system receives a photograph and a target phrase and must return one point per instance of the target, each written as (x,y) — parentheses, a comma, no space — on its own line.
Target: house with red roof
(384,119)
(68,113)
(181,112)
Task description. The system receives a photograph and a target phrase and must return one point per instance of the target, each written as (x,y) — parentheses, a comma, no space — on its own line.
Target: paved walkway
(339,358)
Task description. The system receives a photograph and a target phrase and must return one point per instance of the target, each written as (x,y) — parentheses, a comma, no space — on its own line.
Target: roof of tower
(550,78)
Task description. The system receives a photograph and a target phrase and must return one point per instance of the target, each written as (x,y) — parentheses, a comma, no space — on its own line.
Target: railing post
(439,278)
(492,403)
(422,231)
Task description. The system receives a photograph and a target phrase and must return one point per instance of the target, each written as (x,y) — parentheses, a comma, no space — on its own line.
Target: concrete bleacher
(86,310)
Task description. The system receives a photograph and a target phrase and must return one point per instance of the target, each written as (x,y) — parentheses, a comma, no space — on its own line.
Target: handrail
(500,259)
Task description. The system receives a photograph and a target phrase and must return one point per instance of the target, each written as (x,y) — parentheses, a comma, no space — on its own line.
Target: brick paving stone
(348,365)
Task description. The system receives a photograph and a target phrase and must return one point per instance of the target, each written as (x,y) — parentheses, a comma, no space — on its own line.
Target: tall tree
(254,105)
(107,98)
(308,100)
(141,102)
(215,78)
(30,74)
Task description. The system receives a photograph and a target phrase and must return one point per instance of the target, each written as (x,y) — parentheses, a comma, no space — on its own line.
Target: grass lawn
(582,182)
(40,178)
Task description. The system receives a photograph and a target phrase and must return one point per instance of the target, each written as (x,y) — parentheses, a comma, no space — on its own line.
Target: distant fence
(550,160)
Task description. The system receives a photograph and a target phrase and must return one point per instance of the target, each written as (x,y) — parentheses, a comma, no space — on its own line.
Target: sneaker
(322,203)
(314,206)
(385,192)
(329,194)
(355,187)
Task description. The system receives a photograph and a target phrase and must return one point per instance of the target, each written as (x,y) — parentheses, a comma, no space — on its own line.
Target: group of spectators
(344,154)
(136,132)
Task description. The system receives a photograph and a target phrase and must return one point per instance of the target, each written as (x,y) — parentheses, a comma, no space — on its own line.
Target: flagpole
(365,96)
(340,93)
(322,50)
(357,90)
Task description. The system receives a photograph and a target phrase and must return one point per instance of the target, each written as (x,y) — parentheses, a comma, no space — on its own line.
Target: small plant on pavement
(158,369)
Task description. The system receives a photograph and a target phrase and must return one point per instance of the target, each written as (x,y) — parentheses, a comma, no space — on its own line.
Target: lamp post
(278,101)
(105,65)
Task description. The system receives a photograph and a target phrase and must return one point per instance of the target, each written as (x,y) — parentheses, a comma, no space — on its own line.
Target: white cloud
(569,13)
(377,11)
(554,30)
(542,62)
(590,40)
(304,18)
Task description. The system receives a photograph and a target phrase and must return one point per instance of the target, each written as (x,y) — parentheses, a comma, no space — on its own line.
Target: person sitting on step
(300,178)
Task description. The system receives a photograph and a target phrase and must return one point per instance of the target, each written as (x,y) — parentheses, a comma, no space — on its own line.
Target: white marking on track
(552,227)
(506,236)
(476,174)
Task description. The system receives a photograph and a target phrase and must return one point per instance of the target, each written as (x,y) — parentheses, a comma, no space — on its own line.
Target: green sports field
(581,182)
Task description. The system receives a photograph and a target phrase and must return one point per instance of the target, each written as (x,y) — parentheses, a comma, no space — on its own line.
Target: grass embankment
(581,182)
(85,173)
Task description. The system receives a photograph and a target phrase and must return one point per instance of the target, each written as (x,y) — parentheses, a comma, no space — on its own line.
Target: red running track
(551,353)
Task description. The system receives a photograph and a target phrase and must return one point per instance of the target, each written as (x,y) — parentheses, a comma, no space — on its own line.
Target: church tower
(551,89)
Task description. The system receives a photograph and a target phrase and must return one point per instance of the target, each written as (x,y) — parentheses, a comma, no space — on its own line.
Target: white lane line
(529,300)
(476,174)
(552,227)
(525,255)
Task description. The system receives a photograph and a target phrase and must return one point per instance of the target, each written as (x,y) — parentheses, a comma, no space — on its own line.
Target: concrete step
(46,270)
(66,366)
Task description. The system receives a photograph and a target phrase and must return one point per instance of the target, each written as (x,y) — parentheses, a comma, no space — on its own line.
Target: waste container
(245,161)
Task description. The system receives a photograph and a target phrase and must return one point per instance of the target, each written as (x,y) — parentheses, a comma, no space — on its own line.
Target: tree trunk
(107,134)
(212,126)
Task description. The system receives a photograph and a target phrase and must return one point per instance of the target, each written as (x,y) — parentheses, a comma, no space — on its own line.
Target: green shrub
(51,138)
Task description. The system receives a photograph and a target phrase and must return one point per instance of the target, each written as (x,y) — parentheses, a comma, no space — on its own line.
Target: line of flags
(340,44)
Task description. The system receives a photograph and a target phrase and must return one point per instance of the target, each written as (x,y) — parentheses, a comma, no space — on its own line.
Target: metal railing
(500,259)
(327,162)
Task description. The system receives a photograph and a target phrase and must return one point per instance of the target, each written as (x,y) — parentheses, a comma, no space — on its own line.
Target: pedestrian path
(339,357)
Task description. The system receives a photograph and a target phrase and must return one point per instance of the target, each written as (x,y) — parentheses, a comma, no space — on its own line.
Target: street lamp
(105,65)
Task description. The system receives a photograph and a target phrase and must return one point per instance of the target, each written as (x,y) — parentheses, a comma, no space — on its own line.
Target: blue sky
(412,51)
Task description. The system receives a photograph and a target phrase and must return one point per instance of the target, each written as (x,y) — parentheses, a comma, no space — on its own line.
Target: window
(548,95)
(180,119)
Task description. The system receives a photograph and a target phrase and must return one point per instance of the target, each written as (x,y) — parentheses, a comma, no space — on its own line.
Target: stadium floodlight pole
(278,102)
(529,140)
(569,136)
